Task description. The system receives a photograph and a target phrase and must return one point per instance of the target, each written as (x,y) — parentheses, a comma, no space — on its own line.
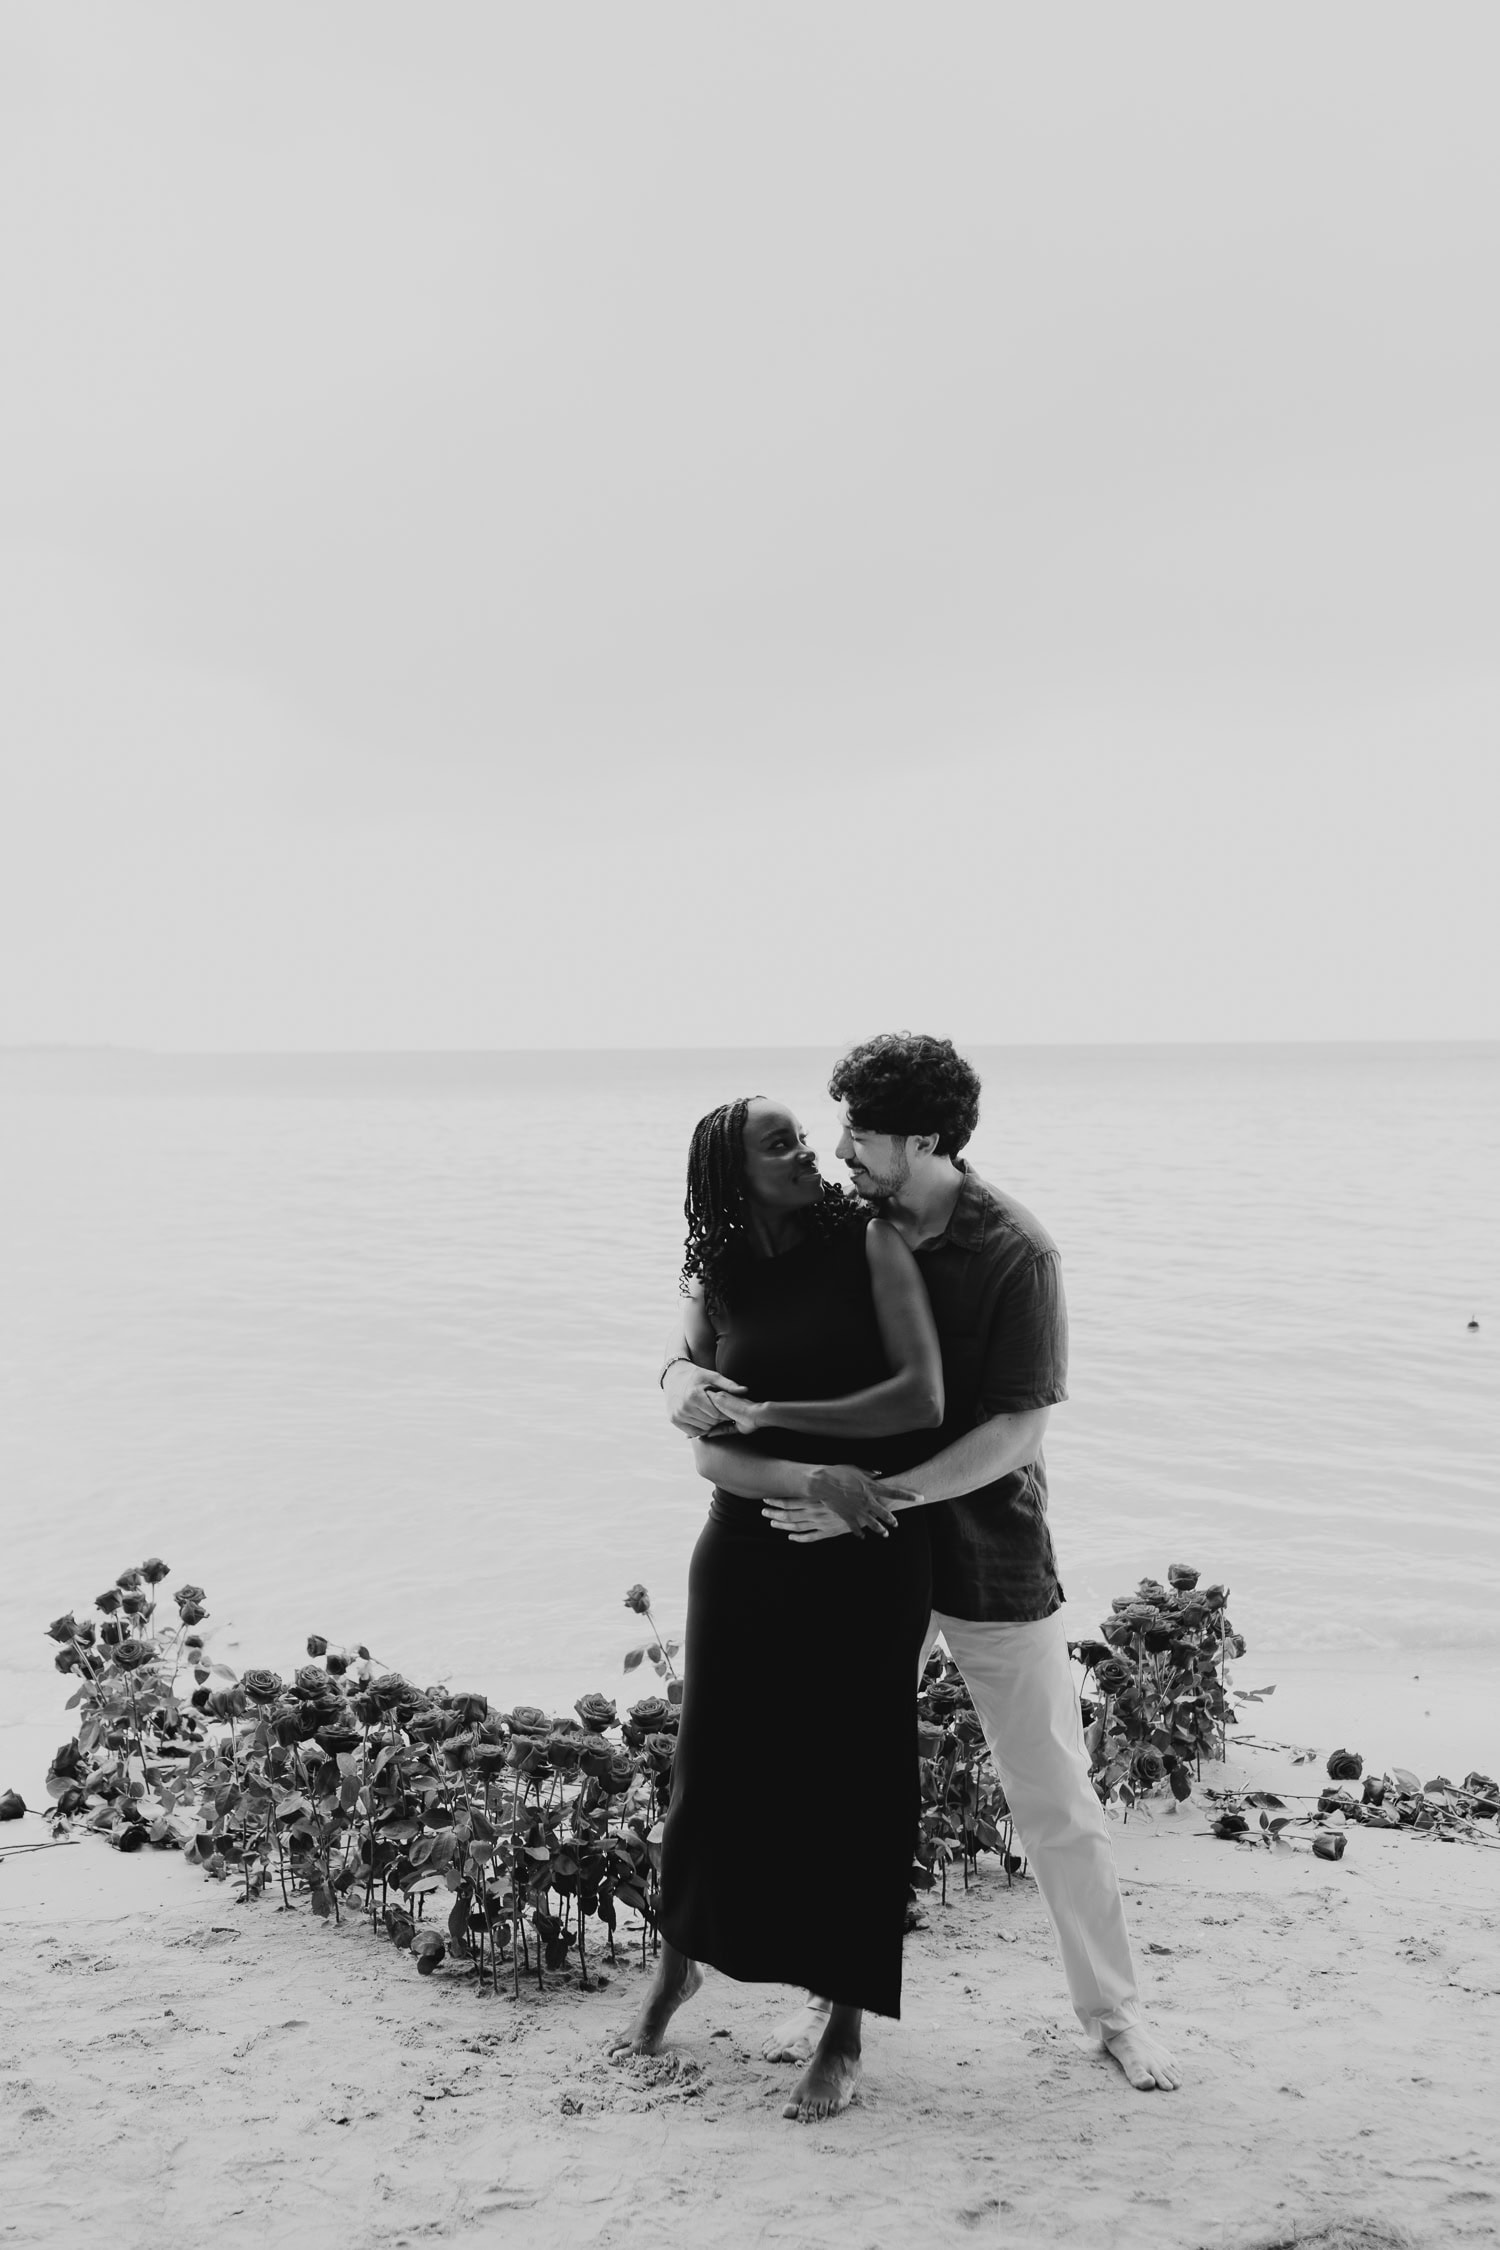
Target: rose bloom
(336,1663)
(620,1773)
(154,1570)
(596,1711)
(1148,1766)
(595,1756)
(108,1601)
(260,1685)
(84,1633)
(563,1750)
(649,1713)
(637,1598)
(661,1749)
(131,1655)
(135,1605)
(129,1580)
(189,1594)
(193,1614)
(529,1718)
(1180,1575)
(310,1679)
(316,1645)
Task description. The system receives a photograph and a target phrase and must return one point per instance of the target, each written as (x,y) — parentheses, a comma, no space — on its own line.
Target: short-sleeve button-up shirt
(995,1281)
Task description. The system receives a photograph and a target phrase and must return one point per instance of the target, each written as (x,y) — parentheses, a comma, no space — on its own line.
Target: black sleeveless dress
(788,1847)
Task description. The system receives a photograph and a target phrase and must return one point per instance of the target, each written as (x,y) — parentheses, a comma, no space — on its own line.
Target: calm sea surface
(369,1347)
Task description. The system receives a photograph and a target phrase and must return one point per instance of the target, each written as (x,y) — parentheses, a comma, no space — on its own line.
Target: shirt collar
(965,1228)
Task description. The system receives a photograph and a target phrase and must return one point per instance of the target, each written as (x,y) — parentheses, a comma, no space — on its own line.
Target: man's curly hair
(717,1209)
(904,1082)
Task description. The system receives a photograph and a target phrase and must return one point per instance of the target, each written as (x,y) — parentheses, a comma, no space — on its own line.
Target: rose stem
(661,1644)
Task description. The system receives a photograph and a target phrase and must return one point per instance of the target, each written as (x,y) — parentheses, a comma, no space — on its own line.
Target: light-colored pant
(1023,1690)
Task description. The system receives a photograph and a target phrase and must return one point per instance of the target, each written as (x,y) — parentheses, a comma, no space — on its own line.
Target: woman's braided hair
(717,1208)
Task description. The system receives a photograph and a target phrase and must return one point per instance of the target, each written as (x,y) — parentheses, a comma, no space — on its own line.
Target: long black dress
(788,1846)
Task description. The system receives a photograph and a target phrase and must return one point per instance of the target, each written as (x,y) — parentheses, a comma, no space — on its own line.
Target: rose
(489,1757)
(193,1614)
(637,1598)
(1091,1654)
(1231,1824)
(389,1690)
(72,1800)
(85,1633)
(131,1655)
(337,1662)
(1148,1765)
(66,1660)
(135,1605)
(1115,1631)
(619,1773)
(929,1740)
(201,1698)
(12,1806)
(660,1750)
(470,1707)
(1180,1784)
(286,1724)
(63,1628)
(1336,1800)
(68,1763)
(1329,1847)
(650,1714)
(154,1570)
(186,1595)
(112,1632)
(310,1679)
(128,1580)
(563,1750)
(1182,1576)
(1213,1597)
(316,1645)
(595,1756)
(261,1685)
(108,1601)
(969,1731)
(226,1703)
(596,1711)
(1151,1590)
(1234,1643)
(1345,1765)
(458,1747)
(529,1718)
(1112,1677)
(427,1950)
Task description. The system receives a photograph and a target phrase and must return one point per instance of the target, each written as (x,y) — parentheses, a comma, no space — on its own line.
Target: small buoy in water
(1473,1324)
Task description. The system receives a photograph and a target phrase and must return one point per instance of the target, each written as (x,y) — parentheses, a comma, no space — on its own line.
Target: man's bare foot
(828,2083)
(1145,2061)
(796,2040)
(676,1979)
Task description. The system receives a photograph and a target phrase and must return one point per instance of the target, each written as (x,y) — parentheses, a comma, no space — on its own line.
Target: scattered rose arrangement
(1162,1701)
(1160,1697)
(349,1787)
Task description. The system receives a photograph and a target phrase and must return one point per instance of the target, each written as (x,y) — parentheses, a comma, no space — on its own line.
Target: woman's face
(781,1171)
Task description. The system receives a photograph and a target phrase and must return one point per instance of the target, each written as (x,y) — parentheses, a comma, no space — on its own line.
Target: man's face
(879,1164)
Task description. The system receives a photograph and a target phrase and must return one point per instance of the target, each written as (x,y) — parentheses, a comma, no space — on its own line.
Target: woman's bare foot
(1145,2061)
(828,2083)
(676,1979)
(796,2040)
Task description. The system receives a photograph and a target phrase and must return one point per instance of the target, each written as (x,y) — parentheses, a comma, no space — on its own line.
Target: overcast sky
(670,524)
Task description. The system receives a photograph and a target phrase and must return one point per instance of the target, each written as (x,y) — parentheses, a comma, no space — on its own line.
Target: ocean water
(368,1346)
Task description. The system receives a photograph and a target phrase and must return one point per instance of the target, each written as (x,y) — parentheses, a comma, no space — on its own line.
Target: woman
(787,1850)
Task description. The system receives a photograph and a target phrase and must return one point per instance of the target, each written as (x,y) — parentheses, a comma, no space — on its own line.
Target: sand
(189,2069)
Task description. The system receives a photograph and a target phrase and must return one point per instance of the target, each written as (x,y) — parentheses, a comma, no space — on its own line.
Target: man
(910,1105)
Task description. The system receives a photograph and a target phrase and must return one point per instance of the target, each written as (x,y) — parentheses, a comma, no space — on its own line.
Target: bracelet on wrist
(671,1363)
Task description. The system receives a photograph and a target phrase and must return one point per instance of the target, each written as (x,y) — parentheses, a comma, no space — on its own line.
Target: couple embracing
(867,1380)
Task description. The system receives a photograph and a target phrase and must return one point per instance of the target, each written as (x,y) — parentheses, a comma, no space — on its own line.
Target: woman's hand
(744,1415)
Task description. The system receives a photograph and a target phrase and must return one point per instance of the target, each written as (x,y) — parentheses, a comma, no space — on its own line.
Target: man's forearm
(982,1455)
(754,1475)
